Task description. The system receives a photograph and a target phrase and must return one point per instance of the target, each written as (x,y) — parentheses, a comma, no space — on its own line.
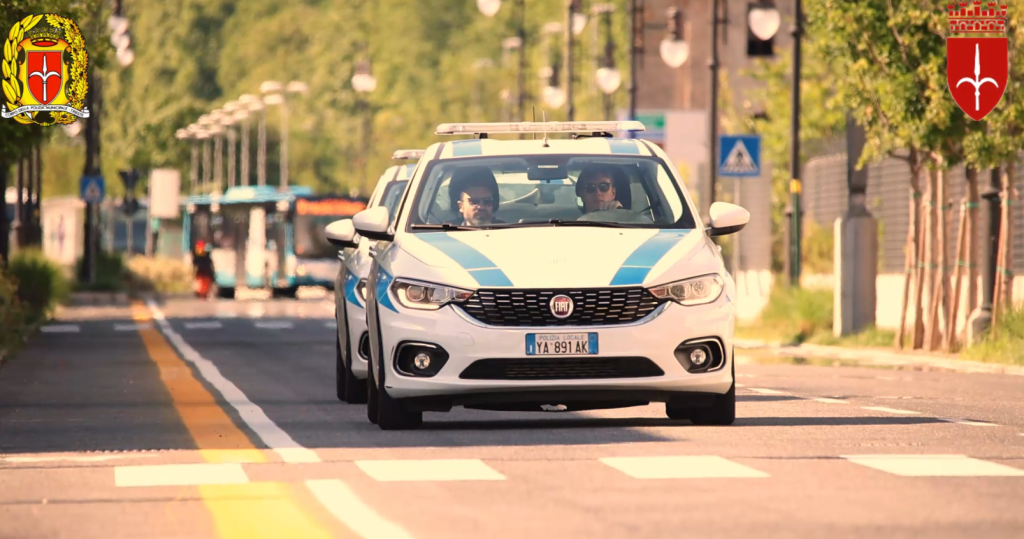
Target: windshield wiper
(444,226)
(559,222)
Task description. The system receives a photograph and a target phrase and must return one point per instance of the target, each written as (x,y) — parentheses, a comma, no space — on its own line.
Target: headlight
(300,270)
(694,291)
(361,289)
(426,296)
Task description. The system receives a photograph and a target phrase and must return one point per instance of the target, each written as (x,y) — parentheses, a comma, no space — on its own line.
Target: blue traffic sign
(739,156)
(92,189)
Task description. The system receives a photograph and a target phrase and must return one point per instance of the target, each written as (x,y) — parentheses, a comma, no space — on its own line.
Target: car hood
(557,257)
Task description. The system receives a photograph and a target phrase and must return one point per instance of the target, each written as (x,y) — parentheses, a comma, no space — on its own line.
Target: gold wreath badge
(32,94)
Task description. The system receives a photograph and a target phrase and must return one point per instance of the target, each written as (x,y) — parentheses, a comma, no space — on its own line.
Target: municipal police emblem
(44,71)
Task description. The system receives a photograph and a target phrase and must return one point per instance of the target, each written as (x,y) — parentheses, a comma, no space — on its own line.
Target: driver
(477,195)
(596,187)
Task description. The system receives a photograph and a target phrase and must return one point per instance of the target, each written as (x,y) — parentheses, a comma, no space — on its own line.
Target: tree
(894,84)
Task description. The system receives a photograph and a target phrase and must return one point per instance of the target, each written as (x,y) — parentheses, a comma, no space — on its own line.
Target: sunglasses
(595,187)
(486,201)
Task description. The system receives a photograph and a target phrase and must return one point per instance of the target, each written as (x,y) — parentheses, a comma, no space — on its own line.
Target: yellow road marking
(243,511)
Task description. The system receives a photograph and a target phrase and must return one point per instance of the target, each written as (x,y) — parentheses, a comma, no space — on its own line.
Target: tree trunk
(973,255)
(958,274)
(5,229)
(945,209)
(1005,270)
(937,262)
(928,282)
(910,251)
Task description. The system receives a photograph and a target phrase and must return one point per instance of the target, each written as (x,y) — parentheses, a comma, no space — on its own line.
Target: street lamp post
(636,47)
(794,151)
(575,23)
(188,134)
(267,88)
(363,82)
(713,107)
(490,8)
(607,77)
(250,104)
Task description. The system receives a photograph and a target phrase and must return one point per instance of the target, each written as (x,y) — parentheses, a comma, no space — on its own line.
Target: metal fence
(888,199)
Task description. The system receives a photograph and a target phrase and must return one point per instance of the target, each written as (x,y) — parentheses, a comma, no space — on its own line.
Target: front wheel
(722,413)
(391,414)
(226,293)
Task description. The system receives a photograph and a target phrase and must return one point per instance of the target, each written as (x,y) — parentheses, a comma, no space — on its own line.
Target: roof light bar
(407,154)
(536,127)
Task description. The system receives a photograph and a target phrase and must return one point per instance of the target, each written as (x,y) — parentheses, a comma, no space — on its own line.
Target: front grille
(592,306)
(561,368)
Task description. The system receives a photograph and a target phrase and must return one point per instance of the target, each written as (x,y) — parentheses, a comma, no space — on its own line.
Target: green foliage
(797,312)
(41,283)
(1004,346)
(160,274)
(818,255)
(110,273)
(12,315)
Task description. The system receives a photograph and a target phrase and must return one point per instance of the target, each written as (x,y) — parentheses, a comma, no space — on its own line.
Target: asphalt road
(218,419)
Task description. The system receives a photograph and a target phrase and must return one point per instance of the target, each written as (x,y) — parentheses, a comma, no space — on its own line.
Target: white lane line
(765,391)
(429,470)
(681,467)
(976,423)
(331,324)
(268,431)
(346,506)
(131,327)
(275,325)
(72,458)
(162,475)
(889,410)
(827,400)
(934,465)
(204,325)
(61,328)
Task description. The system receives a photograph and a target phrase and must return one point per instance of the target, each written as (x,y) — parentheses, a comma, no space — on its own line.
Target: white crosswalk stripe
(61,328)
(274,325)
(132,327)
(429,470)
(890,410)
(204,325)
(179,475)
(934,466)
(681,467)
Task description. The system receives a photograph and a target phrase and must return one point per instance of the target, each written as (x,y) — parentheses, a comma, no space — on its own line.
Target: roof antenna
(544,116)
(534,120)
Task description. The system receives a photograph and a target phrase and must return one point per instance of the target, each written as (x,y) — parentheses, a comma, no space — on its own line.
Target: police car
(352,342)
(567,272)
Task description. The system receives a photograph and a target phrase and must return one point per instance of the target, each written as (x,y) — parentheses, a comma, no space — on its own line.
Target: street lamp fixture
(271,87)
(363,81)
(608,79)
(764,20)
(488,7)
(273,99)
(297,87)
(674,50)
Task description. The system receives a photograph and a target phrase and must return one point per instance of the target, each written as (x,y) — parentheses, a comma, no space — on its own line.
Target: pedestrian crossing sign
(92,189)
(739,156)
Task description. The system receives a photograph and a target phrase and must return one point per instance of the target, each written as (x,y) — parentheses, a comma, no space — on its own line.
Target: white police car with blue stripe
(526,273)
(352,341)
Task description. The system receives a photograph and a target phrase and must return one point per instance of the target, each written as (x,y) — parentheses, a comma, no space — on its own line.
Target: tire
(391,413)
(339,370)
(721,413)
(351,389)
(290,292)
(371,397)
(225,293)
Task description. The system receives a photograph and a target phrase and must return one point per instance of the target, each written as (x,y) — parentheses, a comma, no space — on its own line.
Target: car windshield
(550,190)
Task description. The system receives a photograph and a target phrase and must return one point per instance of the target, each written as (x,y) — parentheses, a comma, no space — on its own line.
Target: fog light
(421,361)
(698,356)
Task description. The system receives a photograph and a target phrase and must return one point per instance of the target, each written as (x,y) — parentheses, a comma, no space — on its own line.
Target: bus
(267,238)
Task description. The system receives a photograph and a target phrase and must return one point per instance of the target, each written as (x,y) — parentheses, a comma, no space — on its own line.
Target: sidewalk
(880,357)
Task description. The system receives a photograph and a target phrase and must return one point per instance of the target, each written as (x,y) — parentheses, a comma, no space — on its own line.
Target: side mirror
(341,233)
(727,219)
(373,224)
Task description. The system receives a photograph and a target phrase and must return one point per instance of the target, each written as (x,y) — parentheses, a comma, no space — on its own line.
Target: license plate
(561,344)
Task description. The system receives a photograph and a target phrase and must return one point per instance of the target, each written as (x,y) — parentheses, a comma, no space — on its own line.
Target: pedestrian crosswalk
(643,468)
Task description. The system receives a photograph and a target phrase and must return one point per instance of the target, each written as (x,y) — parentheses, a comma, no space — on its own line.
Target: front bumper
(467,341)
(356,327)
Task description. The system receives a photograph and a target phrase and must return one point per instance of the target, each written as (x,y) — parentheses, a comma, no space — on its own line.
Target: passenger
(596,186)
(475,195)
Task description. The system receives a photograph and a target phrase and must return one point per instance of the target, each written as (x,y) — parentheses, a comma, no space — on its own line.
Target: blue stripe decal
(383,283)
(623,146)
(350,289)
(467,148)
(635,269)
(479,266)
(224,278)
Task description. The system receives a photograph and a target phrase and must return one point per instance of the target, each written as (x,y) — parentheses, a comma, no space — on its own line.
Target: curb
(880,357)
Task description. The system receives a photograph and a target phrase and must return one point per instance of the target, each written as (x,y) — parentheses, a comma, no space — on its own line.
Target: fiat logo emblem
(561,306)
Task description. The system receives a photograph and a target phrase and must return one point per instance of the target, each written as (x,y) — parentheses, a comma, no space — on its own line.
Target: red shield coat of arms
(976,71)
(45,69)
(977,67)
